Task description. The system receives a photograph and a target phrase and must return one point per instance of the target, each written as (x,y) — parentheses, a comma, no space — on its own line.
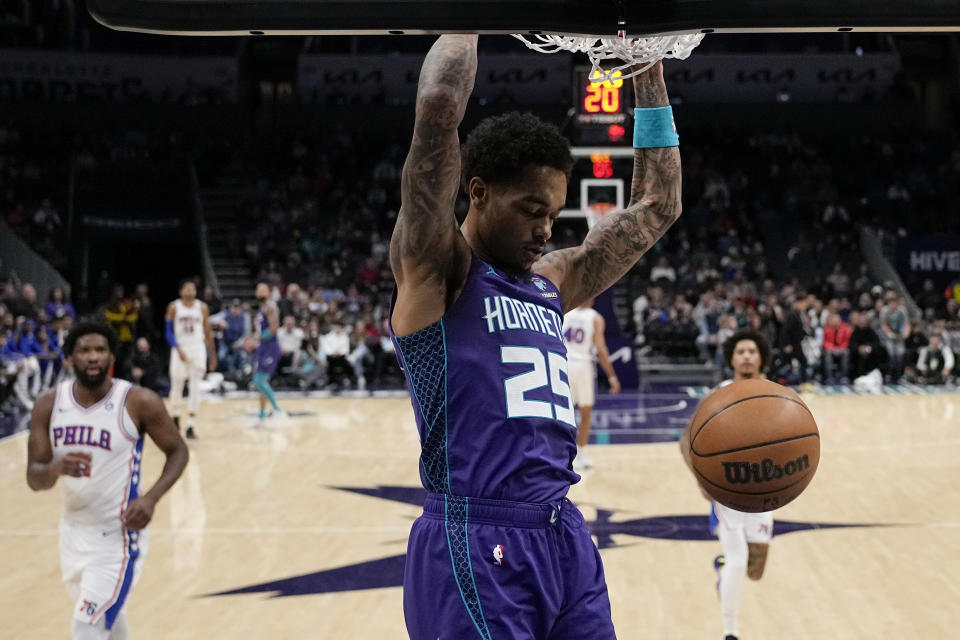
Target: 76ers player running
(191,345)
(499,552)
(91,431)
(745,537)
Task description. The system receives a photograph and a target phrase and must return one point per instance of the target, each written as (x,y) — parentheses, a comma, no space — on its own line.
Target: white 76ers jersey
(188,325)
(578,334)
(106,432)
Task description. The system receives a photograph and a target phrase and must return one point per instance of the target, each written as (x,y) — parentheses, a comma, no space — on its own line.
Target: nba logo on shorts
(498,555)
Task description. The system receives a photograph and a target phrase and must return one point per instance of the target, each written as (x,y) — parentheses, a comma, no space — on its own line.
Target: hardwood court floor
(260,505)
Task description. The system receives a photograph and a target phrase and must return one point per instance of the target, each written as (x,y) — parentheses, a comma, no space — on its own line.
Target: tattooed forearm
(618,240)
(426,227)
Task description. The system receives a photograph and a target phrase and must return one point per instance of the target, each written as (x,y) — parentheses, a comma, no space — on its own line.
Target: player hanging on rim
(91,430)
(745,537)
(266,358)
(499,551)
(192,352)
(583,330)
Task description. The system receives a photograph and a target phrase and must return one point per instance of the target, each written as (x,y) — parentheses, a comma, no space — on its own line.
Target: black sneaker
(730,636)
(191,435)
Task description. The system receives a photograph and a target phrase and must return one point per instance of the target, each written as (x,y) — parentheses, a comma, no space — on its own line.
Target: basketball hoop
(596,211)
(629,51)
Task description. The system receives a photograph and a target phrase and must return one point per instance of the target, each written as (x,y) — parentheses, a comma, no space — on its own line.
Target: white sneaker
(280,415)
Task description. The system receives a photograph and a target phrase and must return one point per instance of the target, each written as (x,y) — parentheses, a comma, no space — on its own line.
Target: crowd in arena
(768,239)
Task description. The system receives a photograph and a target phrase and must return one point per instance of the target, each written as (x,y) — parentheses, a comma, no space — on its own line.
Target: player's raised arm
(428,254)
(148,411)
(618,240)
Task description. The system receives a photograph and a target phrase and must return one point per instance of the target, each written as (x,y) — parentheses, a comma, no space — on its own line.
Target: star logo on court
(388,572)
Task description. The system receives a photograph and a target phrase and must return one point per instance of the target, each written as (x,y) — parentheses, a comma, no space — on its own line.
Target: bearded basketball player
(90,432)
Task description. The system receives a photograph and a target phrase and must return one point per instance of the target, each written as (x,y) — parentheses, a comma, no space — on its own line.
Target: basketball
(754,445)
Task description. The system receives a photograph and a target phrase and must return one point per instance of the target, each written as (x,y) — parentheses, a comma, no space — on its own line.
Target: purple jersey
(489,387)
(267,356)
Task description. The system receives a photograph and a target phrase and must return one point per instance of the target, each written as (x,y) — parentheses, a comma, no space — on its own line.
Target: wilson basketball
(754,445)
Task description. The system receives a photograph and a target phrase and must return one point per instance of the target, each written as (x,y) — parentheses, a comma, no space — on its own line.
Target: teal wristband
(654,128)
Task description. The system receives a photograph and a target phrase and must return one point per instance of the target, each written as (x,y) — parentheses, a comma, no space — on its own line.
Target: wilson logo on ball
(746,472)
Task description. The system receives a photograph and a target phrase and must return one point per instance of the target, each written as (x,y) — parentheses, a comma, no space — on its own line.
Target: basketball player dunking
(266,358)
(499,551)
(192,353)
(583,330)
(745,537)
(91,431)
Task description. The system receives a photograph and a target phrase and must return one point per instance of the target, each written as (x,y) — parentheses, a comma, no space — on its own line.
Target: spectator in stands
(25,343)
(13,386)
(336,347)
(663,273)
(930,298)
(214,303)
(866,352)
(313,362)
(121,314)
(145,367)
(790,341)
(894,326)
(146,322)
(935,362)
(836,350)
(46,220)
(707,316)
(235,325)
(49,356)
(58,305)
(59,328)
(290,339)
(366,343)
(15,369)
(23,303)
(287,305)
(916,340)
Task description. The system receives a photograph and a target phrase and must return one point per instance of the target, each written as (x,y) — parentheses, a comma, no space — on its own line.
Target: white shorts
(197,365)
(583,381)
(757,527)
(100,568)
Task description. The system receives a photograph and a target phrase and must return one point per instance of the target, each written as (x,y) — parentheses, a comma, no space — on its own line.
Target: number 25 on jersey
(545,371)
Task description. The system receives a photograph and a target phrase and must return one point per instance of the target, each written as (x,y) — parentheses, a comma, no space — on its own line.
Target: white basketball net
(643,52)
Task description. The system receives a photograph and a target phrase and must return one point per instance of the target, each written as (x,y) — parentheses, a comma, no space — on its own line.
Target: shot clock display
(601,108)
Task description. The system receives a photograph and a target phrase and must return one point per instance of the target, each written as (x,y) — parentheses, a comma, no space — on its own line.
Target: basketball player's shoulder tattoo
(431,174)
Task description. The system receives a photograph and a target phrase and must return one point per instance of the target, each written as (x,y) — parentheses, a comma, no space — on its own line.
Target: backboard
(572,17)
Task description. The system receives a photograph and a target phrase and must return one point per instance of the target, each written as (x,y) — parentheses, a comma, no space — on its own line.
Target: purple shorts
(499,570)
(267,357)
